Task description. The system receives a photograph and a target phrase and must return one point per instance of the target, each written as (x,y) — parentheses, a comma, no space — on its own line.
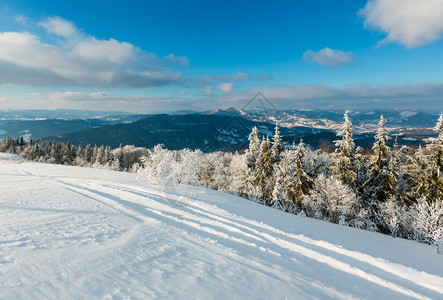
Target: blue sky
(155,56)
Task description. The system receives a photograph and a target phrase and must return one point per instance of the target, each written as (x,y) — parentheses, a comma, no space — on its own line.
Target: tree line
(393,190)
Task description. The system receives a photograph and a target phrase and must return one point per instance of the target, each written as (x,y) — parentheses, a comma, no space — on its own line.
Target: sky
(163,56)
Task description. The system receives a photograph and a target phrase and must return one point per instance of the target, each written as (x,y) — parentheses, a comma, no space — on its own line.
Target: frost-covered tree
(331,199)
(277,145)
(100,155)
(361,170)
(158,165)
(277,201)
(344,169)
(254,148)
(428,219)
(301,183)
(214,170)
(399,167)
(430,180)
(382,181)
(393,214)
(88,153)
(264,170)
(237,174)
(186,167)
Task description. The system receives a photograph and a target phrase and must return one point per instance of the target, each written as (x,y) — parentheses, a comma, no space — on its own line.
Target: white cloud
(329,57)
(59,26)
(209,79)
(264,77)
(110,50)
(207,90)
(21,19)
(82,60)
(3,99)
(409,22)
(226,87)
(177,60)
(182,93)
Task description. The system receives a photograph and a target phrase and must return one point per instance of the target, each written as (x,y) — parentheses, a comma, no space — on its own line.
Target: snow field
(69,232)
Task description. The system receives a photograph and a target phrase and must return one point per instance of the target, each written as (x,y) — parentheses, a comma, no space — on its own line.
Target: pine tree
(80,153)
(302,182)
(277,145)
(277,196)
(120,157)
(100,155)
(430,180)
(88,153)
(264,170)
(382,181)
(345,169)
(254,148)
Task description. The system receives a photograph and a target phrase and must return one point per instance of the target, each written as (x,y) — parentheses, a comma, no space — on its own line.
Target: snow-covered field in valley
(69,232)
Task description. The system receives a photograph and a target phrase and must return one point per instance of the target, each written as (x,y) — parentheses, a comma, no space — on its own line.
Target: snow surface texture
(69,232)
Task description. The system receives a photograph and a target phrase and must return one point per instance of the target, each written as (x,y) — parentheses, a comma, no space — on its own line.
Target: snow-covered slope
(68,232)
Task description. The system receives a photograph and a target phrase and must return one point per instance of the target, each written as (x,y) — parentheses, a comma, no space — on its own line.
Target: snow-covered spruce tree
(277,145)
(120,158)
(87,154)
(430,181)
(277,201)
(382,181)
(264,171)
(344,169)
(99,159)
(361,170)
(251,158)
(301,183)
(399,167)
(94,154)
(108,157)
(254,148)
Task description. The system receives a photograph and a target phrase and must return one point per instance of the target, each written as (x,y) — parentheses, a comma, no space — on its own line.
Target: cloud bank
(412,23)
(353,97)
(360,96)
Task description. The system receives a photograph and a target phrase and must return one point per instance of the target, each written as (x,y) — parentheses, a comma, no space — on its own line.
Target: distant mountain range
(204,131)
(218,129)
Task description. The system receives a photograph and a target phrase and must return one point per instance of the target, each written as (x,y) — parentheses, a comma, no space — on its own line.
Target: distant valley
(219,129)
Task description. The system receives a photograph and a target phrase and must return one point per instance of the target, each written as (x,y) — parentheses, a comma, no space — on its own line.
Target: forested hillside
(392,190)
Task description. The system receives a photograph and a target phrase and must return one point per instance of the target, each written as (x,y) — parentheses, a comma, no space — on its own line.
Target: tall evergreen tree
(254,148)
(430,180)
(121,157)
(382,181)
(80,152)
(88,153)
(277,145)
(303,183)
(264,170)
(345,168)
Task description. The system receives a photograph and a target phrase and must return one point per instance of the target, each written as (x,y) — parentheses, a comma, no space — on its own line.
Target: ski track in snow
(70,232)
